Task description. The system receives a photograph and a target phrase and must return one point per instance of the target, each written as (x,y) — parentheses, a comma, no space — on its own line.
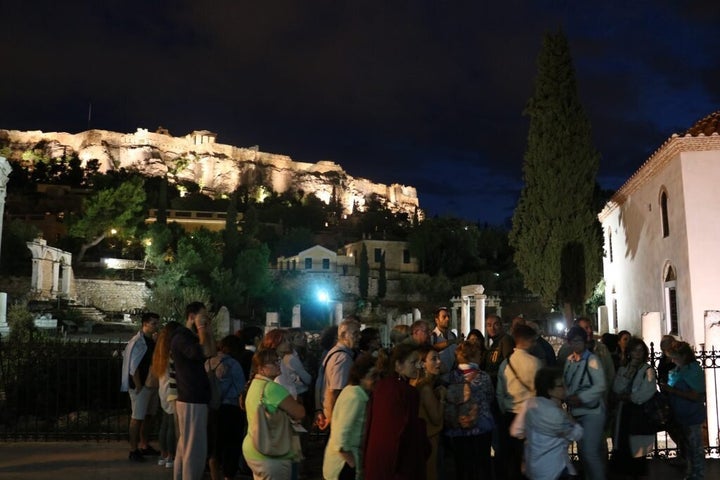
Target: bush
(20,321)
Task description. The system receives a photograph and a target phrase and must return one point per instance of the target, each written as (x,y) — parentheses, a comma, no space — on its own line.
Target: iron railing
(58,389)
(55,389)
(709,360)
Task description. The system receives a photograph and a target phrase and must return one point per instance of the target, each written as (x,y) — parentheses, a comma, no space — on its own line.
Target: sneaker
(169,462)
(161,461)
(136,456)
(149,450)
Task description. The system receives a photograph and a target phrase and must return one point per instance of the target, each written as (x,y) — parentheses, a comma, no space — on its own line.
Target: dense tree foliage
(230,267)
(382,278)
(447,245)
(231,236)
(15,257)
(119,208)
(555,232)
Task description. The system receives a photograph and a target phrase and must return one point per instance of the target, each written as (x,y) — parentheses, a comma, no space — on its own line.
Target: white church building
(662,242)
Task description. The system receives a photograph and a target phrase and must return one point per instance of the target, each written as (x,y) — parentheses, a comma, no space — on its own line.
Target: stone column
(36,278)
(338,313)
(272,321)
(55,279)
(296,316)
(389,323)
(480,312)
(5,170)
(4,176)
(4,328)
(66,280)
(465,315)
(455,306)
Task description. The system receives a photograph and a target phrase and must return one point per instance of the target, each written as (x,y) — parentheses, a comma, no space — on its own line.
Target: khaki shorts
(141,401)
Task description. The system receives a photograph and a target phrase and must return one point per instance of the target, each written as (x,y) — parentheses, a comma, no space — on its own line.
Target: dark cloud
(423,93)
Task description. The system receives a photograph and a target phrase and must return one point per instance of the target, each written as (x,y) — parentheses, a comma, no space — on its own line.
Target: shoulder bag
(271,433)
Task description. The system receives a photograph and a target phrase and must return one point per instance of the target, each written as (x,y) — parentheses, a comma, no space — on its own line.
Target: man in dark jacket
(190,346)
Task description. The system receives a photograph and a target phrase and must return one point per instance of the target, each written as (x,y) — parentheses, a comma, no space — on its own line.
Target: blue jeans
(592,451)
(695,453)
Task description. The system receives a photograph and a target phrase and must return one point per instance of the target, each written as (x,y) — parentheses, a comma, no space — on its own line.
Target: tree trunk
(85,246)
(568,314)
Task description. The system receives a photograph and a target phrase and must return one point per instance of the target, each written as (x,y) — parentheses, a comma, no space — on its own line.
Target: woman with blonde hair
(278,339)
(163,369)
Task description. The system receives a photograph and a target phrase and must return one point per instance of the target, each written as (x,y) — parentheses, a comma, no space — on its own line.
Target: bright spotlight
(323,296)
(560,326)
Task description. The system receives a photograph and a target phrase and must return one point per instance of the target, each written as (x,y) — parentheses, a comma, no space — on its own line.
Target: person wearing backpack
(468,419)
(336,368)
(226,423)
(585,380)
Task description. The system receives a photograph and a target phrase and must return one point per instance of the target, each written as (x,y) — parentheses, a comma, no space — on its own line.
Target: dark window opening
(614,325)
(664,214)
(672,307)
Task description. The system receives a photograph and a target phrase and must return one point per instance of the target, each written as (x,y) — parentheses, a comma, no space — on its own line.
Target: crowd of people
(505,407)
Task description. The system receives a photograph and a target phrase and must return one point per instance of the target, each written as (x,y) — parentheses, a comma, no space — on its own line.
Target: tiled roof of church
(704,135)
(707,126)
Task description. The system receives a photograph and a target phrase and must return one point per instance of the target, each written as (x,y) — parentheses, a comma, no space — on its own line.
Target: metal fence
(54,389)
(709,360)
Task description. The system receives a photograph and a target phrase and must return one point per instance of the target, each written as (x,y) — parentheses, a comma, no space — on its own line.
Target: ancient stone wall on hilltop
(216,167)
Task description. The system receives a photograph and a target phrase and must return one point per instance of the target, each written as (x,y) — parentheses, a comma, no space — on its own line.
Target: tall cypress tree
(382,278)
(555,231)
(230,234)
(364,280)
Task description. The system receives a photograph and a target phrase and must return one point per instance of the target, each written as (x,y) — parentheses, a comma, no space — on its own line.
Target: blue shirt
(687,378)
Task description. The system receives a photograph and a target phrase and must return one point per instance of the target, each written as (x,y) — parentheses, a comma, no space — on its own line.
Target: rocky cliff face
(216,167)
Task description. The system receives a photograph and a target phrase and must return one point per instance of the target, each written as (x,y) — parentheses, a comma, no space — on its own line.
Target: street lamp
(324,297)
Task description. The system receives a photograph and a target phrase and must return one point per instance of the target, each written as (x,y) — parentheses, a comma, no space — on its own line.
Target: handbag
(271,433)
(657,412)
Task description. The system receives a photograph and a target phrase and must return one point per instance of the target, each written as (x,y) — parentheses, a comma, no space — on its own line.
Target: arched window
(664,214)
(670,287)
(610,245)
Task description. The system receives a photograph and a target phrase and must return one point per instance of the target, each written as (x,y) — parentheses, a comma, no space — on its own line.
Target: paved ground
(108,461)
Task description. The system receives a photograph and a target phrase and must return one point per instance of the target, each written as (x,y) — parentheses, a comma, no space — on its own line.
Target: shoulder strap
(586,373)
(262,392)
(327,357)
(210,362)
(517,376)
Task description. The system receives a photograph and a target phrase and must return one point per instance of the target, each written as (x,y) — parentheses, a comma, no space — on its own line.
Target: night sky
(422,93)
